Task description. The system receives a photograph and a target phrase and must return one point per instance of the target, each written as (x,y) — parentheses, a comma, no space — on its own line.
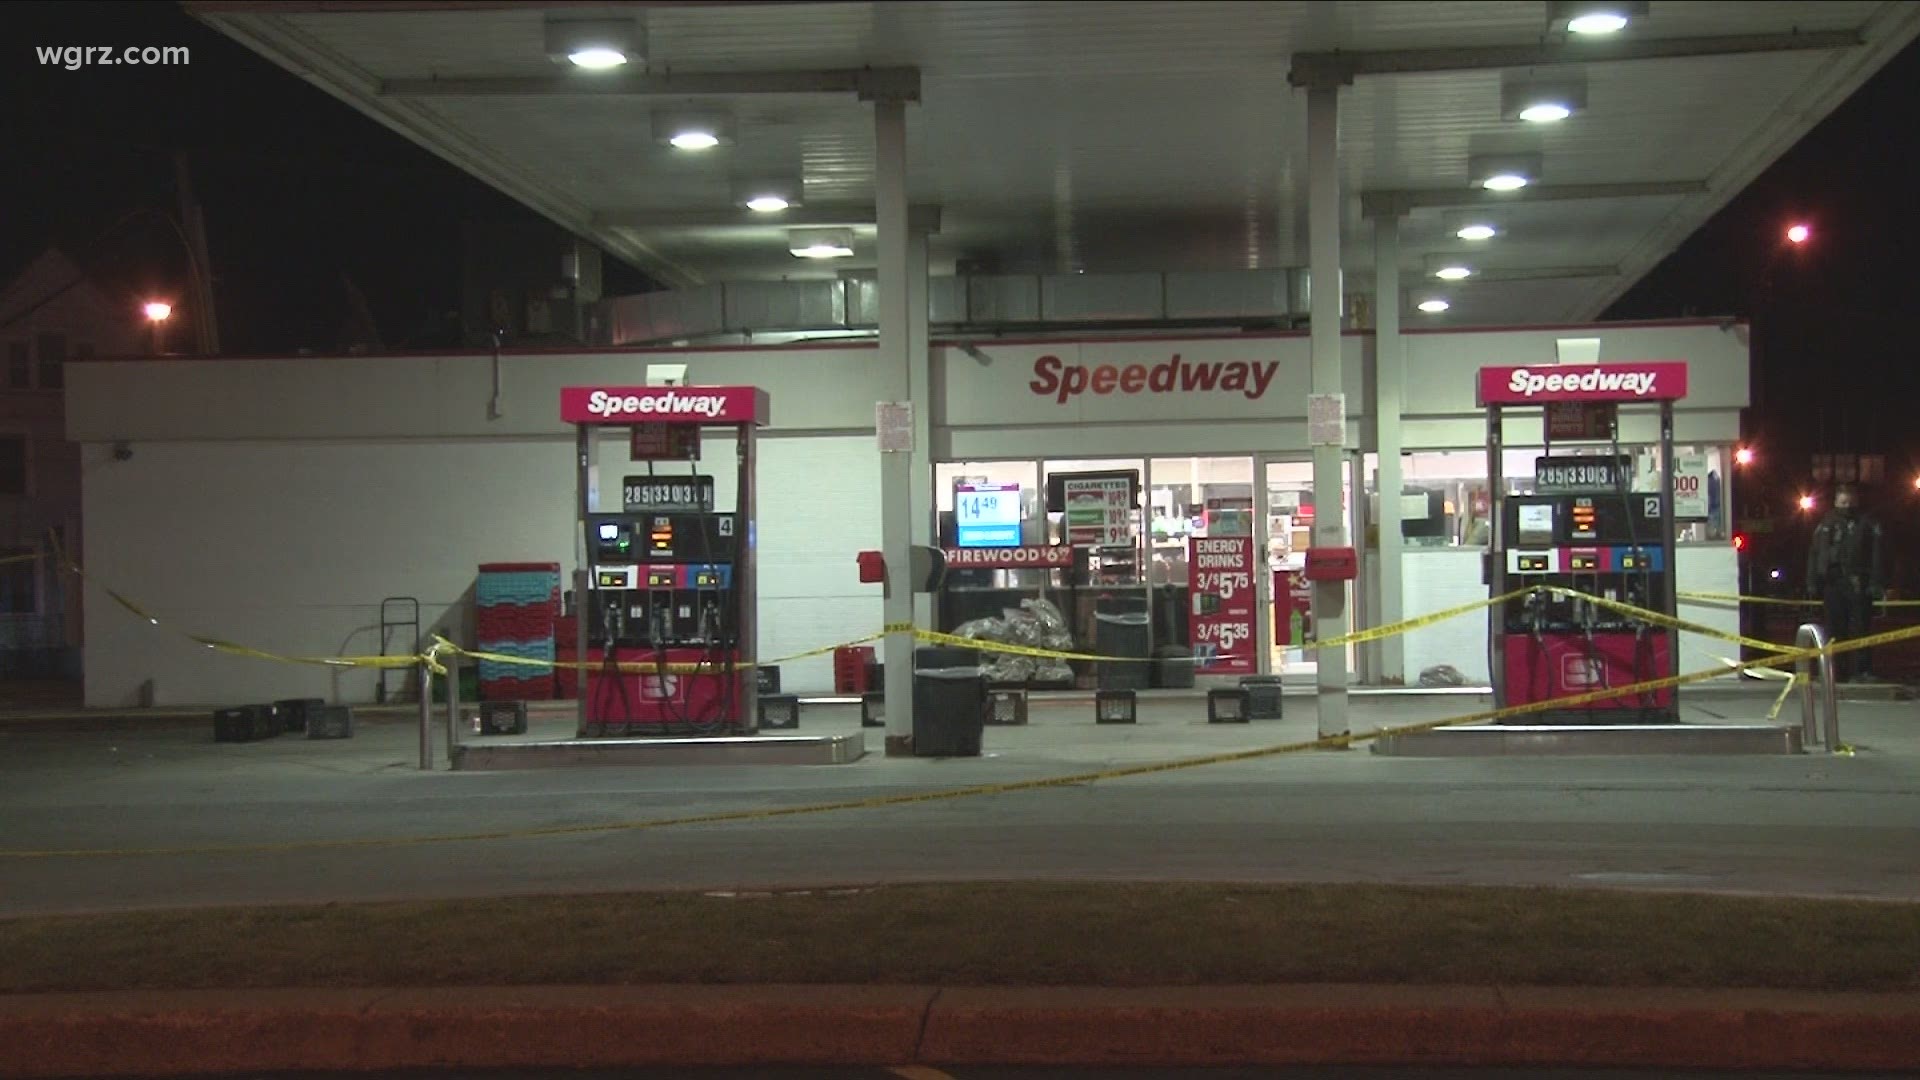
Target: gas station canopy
(1057,137)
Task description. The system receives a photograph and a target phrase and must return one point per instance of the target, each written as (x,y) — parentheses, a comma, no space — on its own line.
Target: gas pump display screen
(987,515)
(1536,524)
(639,494)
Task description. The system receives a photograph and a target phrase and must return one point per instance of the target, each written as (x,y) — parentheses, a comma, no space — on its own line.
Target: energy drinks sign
(1220,623)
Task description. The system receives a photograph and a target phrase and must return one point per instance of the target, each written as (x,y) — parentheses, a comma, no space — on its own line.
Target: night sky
(302,194)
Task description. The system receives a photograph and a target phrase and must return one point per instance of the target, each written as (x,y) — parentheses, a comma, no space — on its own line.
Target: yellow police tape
(722,817)
(1732,598)
(644,667)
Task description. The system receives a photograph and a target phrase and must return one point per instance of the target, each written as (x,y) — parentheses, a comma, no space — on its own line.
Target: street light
(1806,502)
(1798,234)
(1743,456)
(158,312)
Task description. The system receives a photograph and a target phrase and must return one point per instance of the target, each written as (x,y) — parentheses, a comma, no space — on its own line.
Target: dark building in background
(529,281)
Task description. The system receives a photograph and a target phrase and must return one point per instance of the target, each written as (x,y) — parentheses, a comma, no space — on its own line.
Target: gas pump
(1583,536)
(666,621)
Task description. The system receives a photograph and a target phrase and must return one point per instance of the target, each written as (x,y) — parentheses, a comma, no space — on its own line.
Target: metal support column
(1389,399)
(1330,619)
(894,382)
(583,463)
(920,392)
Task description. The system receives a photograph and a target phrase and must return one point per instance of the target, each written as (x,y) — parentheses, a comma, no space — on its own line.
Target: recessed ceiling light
(1453,272)
(1594,16)
(1476,231)
(693,139)
(820,243)
(596,44)
(1598,22)
(767,204)
(597,59)
(692,129)
(1434,306)
(1546,112)
(1503,172)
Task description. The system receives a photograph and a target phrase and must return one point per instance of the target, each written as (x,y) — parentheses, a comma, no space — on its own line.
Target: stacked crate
(515,608)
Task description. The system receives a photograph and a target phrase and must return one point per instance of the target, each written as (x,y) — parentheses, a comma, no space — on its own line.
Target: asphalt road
(1844,826)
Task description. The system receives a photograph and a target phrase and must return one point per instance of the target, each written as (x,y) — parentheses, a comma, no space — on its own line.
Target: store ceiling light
(1434,306)
(1479,230)
(1542,100)
(820,243)
(1453,272)
(1594,17)
(1504,172)
(692,129)
(596,44)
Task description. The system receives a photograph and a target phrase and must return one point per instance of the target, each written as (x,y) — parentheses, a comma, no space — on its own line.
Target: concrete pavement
(1815,825)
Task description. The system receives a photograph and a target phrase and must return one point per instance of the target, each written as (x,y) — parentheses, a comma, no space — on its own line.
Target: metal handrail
(1814,636)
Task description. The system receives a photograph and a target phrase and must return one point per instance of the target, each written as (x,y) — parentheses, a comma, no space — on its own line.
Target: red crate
(850,663)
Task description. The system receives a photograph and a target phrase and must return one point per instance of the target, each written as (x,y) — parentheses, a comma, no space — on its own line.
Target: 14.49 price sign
(1220,620)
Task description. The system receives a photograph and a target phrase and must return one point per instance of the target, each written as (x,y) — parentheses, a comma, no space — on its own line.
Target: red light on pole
(1739,541)
(1743,456)
(1798,234)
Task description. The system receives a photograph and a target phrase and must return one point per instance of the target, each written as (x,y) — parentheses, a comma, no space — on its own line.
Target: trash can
(949,702)
(1123,634)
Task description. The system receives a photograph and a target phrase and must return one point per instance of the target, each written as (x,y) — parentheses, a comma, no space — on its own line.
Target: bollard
(426,716)
(453,710)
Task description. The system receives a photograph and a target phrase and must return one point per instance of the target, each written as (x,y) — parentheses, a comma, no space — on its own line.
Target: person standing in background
(1846,570)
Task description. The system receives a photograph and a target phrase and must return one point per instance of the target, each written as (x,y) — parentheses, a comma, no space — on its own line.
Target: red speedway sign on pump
(1641,380)
(663,404)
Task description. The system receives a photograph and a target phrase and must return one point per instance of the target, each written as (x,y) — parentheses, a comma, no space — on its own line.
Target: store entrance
(1287,513)
(1188,567)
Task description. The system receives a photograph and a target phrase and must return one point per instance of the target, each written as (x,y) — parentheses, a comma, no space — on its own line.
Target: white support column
(920,391)
(893,382)
(1389,399)
(1330,618)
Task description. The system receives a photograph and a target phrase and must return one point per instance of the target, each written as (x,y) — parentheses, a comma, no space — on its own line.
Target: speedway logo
(1055,378)
(601,403)
(1527,383)
(1657,380)
(662,404)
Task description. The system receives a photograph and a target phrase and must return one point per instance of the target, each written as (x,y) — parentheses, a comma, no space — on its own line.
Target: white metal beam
(1400,203)
(1339,67)
(921,217)
(869,84)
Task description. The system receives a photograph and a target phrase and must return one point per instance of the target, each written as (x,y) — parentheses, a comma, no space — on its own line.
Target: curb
(188,1032)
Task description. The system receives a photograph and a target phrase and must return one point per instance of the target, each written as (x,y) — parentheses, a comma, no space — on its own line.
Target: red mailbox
(1332,564)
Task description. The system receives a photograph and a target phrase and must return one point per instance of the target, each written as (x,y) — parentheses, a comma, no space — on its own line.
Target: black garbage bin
(1122,629)
(949,702)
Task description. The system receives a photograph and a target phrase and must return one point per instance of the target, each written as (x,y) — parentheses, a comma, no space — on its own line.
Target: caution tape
(723,817)
(10,559)
(1734,598)
(1663,620)
(644,667)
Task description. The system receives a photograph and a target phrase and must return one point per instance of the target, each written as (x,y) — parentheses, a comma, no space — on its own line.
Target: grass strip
(991,934)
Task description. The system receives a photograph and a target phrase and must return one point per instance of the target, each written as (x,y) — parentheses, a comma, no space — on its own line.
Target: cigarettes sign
(1649,380)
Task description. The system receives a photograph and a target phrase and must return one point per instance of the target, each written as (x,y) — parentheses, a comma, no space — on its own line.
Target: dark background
(304,195)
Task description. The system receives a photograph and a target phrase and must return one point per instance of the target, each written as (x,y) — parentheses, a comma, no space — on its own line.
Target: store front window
(1446,498)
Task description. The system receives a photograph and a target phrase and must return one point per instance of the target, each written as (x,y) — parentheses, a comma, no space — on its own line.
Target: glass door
(1286,525)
